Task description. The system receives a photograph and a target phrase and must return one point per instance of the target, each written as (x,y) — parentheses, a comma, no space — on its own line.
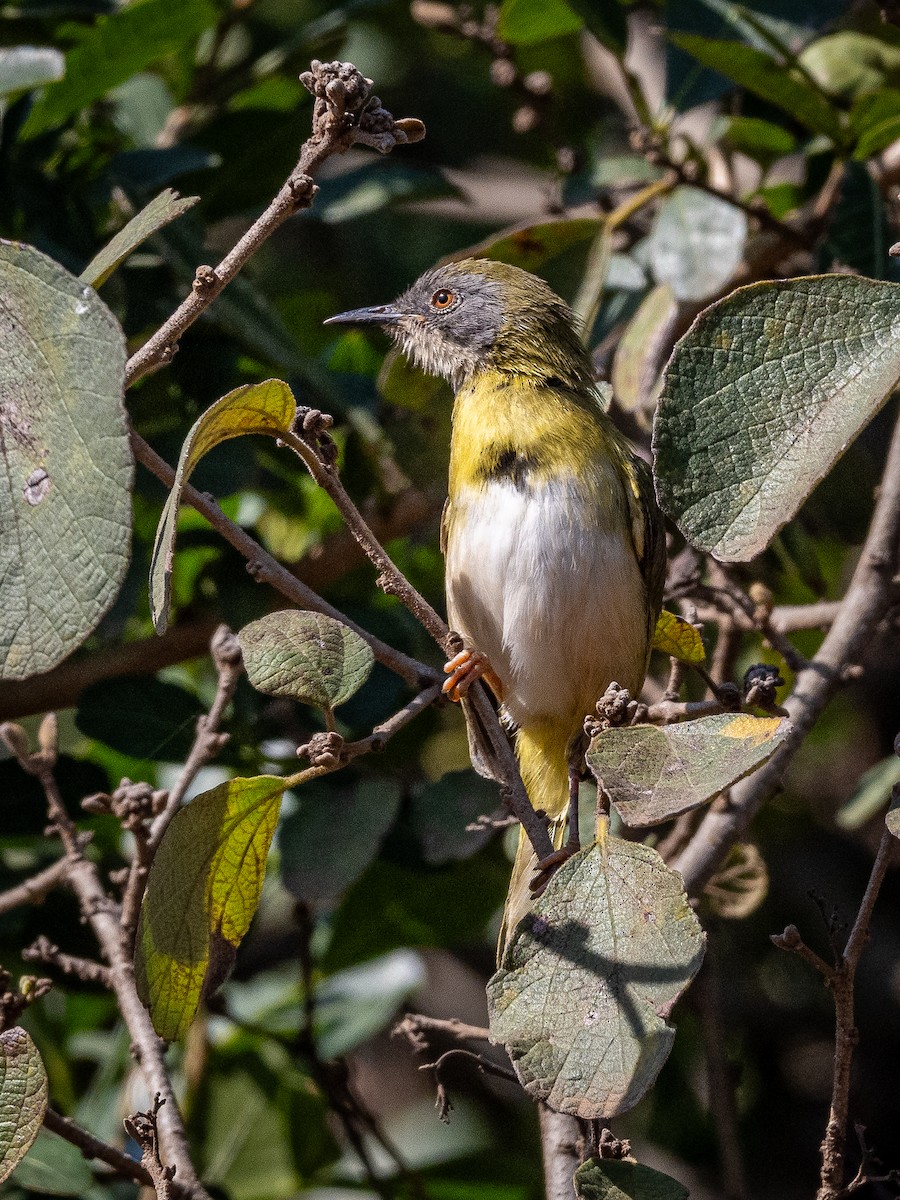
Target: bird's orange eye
(442,299)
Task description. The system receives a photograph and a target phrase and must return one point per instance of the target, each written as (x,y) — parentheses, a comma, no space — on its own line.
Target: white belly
(554,600)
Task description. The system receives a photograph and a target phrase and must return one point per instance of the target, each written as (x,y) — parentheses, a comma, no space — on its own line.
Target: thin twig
(101,913)
(93,1147)
(44,951)
(36,889)
(846,1036)
(336,127)
(144,1128)
(266,569)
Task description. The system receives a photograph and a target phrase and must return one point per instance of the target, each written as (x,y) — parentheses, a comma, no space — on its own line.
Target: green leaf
(590,976)
(113,50)
(65,496)
(635,372)
(527,22)
(267,407)
(23,1097)
(849,63)
(622,1179)
(696,243)
(531,246)
(355,1004)
(202,891)
(26,67)
(159,212)
(678,638)
(305,655)
(333,836)
(871,795)
(652,774)
(875,122)
(762,395)
(857,233)
(442,810)
(144,718)
(54,1167)
(761,140)
(762,75)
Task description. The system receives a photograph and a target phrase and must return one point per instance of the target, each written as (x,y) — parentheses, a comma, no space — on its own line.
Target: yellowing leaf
(654,774)
(267,407)
(159,212)
(678,638)
(202,891)
(23,1097)
(589,977)
(754,730)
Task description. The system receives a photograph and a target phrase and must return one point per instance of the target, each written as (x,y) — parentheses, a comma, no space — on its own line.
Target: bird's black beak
(378,314)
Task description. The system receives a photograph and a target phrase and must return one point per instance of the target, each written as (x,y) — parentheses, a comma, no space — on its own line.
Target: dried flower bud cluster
(344,94)
(322,749)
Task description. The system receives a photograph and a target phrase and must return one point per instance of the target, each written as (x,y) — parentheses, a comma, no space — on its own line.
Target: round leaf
(306,655)
(23,1097)
(653,774)
(65,495)
(590,976)
(762,395)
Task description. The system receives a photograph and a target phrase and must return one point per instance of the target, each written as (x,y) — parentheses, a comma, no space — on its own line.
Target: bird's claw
(463,670)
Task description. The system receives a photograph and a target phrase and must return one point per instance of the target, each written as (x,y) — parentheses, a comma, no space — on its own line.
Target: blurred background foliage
(378,895)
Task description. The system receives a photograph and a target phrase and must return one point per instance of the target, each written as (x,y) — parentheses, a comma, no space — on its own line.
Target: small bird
(554,545)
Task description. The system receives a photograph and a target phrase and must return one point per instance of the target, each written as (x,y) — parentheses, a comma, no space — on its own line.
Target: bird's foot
(547,867)
(464,669)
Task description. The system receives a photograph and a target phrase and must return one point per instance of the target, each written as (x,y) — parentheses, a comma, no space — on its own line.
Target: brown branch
(44,951)
(144,1128)
(841,980)
(36,889)
(415,1026)
(265,568)
(560,1139)
(342,117)
(93,1147)
(62,687)
(869,596)
(101,913)
(312,447)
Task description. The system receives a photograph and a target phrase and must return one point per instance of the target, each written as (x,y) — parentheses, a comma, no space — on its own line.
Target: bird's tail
(542,751)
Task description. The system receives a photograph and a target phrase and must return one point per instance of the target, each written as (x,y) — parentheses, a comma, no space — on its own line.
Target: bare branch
(43,950)
(144,1128)
(36,889)
(101,913)
(93,1147)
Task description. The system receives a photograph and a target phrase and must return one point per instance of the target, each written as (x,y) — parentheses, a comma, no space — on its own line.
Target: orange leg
(462,671)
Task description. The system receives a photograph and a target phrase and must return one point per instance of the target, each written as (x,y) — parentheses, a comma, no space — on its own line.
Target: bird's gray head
(477,313)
